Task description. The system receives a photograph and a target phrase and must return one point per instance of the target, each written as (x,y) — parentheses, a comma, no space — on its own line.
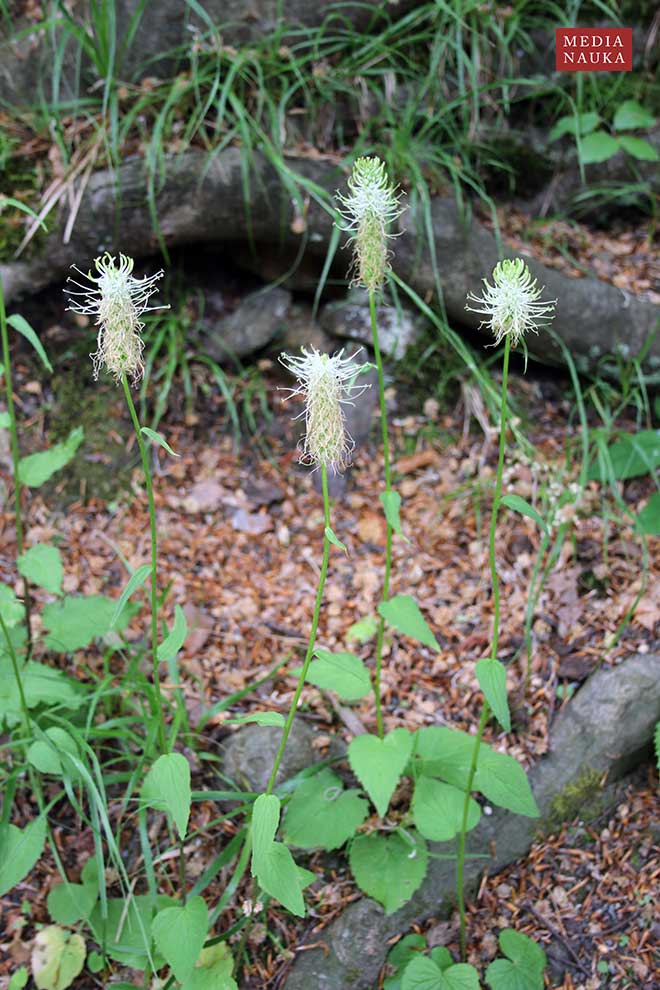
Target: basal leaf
(502,780)
(523,970)
(42,565)
(598,147)
(167,787)
(21,850)
(179,933)
(389,868)
(321,814)
(631,115)
(378,764)
(58,957)
(35,469)
(437,809)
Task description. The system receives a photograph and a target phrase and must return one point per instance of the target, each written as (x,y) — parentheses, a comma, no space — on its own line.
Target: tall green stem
(13,433)
(485,712)
(312,635)
(17,677)
(158,710)
(388,488)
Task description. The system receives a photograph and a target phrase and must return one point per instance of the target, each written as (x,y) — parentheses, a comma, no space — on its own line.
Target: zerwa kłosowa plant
(326,383)
(512,307)
(367,212)
(117,300)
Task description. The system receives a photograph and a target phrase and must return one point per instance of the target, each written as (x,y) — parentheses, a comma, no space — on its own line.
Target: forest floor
(240,544)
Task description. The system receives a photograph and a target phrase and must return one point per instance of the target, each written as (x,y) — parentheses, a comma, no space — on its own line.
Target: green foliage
(74,622)
(391,502)
(213,970)
(403,613)
(379,763)
(523,969)
(322,814)
(648,520)
(57,959)
(343,673)
(656,740)
(69,903)
(491,675)
(599,145)
(167,787)
(272,863)
(437,809)
(389,868)
(48,755)
(20,850)
(519,504)
(633,455)
(259,718)
(35,469)
(42,565)
(179,934)
(423,973)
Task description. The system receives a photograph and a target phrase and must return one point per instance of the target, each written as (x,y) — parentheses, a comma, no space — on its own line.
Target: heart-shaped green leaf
(389,868)
(523,970)
(20,851)
(42,565)
(179,933)
(321,814)
(378,764)
(438,809)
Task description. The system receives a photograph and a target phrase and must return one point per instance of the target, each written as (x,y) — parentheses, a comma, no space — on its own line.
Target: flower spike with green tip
(371,206)
(512,303)
(326,382)
(117,300)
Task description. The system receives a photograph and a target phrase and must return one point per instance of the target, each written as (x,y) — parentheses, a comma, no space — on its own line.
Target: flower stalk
(117,300)
(15,457)
(369,209)
(512,306)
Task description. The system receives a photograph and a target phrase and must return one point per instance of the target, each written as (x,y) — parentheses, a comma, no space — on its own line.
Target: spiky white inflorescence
(511,304)
(371,206)
(326,382)
(117,300)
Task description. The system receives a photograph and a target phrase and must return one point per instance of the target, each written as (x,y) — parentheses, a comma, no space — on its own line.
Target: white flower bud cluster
(512,304)
(326,383)
(117,300)
(371,206)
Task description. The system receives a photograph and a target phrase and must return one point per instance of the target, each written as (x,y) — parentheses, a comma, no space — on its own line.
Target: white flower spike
(371,206)
(512,303)
(327,383)
(117,300)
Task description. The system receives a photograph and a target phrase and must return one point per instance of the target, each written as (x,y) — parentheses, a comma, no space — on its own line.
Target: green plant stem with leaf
(13,433)
(388,488)
(312,636)
(485,712)
(158,709)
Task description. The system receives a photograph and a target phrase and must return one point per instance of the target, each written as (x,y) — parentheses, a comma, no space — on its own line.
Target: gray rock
(251,326)
(605,727)
(201,202)
(249,754)
(350,319)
